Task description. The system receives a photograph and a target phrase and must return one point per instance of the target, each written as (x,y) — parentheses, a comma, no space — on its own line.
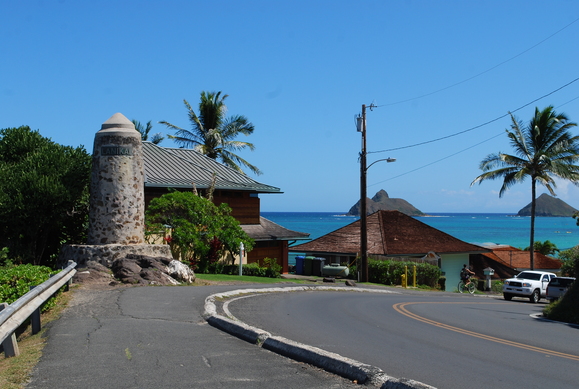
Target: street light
(363,264)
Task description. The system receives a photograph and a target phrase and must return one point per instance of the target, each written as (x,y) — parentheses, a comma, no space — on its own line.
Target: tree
(144,130)
(546,248)
(213,134)
(43,195)
(544,149)
(200,232)
(570,259)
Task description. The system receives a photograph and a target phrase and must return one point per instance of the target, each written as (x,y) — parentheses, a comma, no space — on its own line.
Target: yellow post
(414,278)
(403,280)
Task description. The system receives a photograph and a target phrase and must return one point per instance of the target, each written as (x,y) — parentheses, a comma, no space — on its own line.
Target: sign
(116,150)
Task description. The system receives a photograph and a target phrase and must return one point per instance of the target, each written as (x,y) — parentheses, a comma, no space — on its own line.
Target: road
(444,340)
(155,337)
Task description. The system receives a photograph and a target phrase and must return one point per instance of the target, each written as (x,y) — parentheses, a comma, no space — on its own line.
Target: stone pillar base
(107,253)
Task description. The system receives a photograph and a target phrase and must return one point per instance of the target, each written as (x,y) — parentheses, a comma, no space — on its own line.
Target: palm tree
(213,134)
(144,130)
(544,149)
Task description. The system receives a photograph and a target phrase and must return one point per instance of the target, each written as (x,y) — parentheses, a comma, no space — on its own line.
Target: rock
(92,272)
(146,270)
(125,266)
(350,283)
(549,206)
(329,279)
(179,271)
(381,201)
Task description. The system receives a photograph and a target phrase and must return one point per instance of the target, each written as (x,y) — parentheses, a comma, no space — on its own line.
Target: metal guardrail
(13,315)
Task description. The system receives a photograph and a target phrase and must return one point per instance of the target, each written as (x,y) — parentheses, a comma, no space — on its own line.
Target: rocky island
(381,201)
(549,206)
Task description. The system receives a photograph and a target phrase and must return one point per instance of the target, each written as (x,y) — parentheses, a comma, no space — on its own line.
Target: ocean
(477,228)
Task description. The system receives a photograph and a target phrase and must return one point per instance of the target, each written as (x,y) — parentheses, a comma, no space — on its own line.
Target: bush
(390,272)
(249,269)
(570,260)
(566,309)
(15,282)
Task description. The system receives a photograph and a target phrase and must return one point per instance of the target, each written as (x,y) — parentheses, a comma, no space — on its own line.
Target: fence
(28,306)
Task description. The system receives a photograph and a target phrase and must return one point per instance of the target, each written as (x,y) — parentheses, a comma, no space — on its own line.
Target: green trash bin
(308,266)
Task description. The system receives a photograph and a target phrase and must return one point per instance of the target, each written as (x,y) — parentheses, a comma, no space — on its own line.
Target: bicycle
(471,287)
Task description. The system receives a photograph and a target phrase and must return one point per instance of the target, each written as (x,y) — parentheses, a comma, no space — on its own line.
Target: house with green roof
(186,169)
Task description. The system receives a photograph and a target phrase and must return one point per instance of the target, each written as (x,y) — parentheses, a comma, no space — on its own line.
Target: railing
(13,315)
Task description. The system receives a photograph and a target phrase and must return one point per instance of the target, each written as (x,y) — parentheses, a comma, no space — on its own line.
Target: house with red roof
(392,234)
(508,261)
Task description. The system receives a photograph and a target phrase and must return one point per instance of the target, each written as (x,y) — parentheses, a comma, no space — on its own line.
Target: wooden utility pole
(363,265)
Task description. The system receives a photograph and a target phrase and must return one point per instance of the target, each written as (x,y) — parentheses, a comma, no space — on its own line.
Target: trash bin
(308,266)
(317,265)
(300,265)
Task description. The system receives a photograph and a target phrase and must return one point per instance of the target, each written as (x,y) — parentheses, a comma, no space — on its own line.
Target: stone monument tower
(117,200)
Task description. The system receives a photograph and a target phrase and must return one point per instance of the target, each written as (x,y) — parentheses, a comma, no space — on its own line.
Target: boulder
(179,271)
(146,270)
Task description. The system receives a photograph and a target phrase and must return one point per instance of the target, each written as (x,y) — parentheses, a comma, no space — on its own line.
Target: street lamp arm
(385,159)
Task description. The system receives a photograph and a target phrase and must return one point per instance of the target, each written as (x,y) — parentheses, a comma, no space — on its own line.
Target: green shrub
(15,282)
(273,268)
(566,309)
(249,269)
(390,272)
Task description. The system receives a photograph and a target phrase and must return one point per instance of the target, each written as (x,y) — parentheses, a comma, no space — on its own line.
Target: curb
(334,363)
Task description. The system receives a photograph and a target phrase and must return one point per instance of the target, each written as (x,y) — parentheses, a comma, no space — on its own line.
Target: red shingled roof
(389,233)
(519,259)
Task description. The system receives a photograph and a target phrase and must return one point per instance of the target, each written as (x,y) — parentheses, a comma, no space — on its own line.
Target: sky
(442,75)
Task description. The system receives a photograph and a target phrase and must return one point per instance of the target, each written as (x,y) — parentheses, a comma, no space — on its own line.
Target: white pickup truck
(529,283)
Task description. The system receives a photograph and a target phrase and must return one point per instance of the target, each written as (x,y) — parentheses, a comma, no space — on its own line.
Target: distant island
(381,201)
(549,206)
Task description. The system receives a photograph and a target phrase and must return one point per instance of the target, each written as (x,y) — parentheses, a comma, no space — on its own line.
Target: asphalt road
(442,339)
(155,337)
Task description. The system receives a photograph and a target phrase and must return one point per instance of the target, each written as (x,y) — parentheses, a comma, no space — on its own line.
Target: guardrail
(13,315)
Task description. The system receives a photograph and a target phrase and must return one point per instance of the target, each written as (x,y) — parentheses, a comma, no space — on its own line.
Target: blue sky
(300,71)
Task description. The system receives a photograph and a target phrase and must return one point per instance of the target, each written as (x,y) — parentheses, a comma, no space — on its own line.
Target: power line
(481,73)
(478,126)
(439,160)
(458,152)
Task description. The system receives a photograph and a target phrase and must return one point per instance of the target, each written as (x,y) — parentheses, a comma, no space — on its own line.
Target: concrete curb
(334,363)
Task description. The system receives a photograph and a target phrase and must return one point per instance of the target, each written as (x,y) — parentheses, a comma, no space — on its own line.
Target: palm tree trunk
(533,205)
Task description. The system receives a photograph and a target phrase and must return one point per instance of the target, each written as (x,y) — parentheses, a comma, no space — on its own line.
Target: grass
(248,279)
(15,372)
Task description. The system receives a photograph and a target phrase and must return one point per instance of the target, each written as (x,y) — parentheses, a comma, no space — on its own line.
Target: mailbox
(488,271)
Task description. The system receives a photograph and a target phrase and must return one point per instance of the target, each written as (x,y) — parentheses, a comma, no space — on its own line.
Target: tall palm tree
(144,130)
(544,149)
(213,134)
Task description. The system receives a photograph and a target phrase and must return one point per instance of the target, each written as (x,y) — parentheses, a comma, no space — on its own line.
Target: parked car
(530,284)
(558,286)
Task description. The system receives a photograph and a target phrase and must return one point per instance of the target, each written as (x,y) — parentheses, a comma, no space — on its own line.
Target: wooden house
(186,169)
(392,234)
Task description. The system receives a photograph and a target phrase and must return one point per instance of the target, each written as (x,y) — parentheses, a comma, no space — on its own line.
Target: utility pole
(363,265)
(363,259)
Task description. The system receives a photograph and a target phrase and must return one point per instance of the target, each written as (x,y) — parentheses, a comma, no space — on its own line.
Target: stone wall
(106,254)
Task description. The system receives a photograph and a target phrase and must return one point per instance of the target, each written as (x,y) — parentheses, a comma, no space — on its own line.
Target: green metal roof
(181,168)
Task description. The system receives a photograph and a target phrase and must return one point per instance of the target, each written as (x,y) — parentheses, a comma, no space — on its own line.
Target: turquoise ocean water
(475,228)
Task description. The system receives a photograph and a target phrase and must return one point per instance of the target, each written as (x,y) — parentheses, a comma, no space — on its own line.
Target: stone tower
(117,200)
